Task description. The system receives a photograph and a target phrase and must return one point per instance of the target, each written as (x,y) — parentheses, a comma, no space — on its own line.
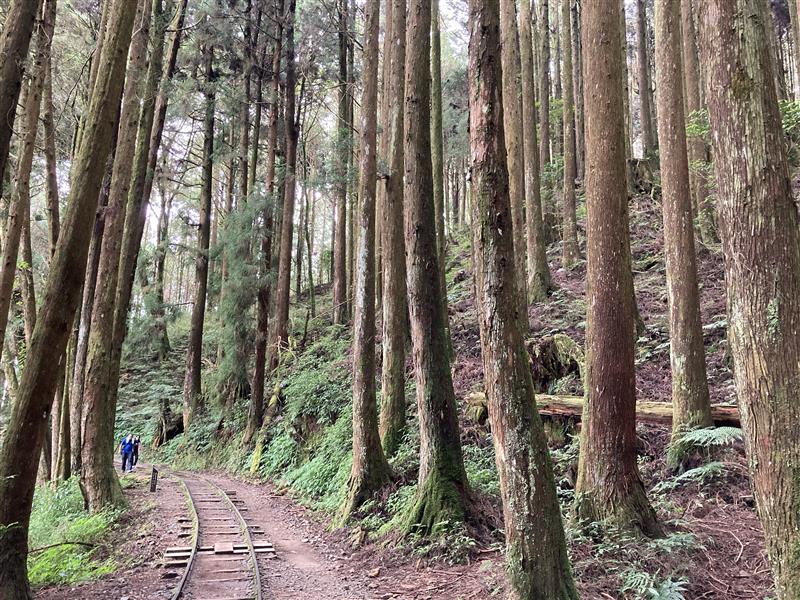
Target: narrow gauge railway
(221,560)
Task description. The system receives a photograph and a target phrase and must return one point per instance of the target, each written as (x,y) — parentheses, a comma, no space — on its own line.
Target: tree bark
(340,232)
(263,297)
(194,352)
(793,15)
(437,157)
(703,204)
(14,43)
(536,549)
(570,252)
(148,143)
(370,469)
(99,483)
(609,487)
(690,399)
(49,127)
(442,492)
(515,151)
(22,443)
(19,207)
(761,243)
(393,396)
(539,281)
(649,141)
(287,222)
(577,78)
(544,84)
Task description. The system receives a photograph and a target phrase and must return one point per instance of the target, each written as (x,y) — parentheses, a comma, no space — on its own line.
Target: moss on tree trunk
(759,228)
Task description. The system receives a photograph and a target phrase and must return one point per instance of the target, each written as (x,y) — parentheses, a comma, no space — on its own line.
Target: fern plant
(704,440)
(700,475)
(640,585)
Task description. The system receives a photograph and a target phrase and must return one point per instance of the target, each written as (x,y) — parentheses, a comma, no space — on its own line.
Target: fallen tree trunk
(572,407)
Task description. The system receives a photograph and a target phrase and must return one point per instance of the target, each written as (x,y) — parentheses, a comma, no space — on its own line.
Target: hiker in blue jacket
(126,452)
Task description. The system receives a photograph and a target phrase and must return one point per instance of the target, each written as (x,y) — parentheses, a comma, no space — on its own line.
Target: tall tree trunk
(512,125)
(84,315)
(609,486)
(19,207)
(263,296)
(626,96)
(25,273)
(761,243)
(308,233)
(148,142)
(238,297)
(649,140)
(795,45)
(384,141)
(570,252)
(99,483)
(301,225)
(690,402)
(558,135)
(442,492)
(22,443)
(544,84)
(287,222)
(194,352)
(370,469)
(539,281)
(340,236)
(577,86)
(352,159)
(437,157)
(702,202)
(393,397)
(160,342)
(14,43)
(48,124)
(536,549)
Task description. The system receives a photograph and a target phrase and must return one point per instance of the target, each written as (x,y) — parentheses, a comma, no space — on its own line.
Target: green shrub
(69,537)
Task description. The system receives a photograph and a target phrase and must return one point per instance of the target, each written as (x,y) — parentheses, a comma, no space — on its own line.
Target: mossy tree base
(629,512)
(439,501)
(362,488)
(14,572)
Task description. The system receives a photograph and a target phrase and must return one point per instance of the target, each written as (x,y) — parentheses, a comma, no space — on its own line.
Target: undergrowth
(66,542)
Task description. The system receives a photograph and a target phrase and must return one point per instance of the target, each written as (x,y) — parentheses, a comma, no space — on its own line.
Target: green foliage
(58,517)
(318,387)
(481,469)
(282,454)
(704,440)
(697,125)
(790,119)
(552,175)
(645,586)
(701,475)
(322,479)
(452,543)
(713,437)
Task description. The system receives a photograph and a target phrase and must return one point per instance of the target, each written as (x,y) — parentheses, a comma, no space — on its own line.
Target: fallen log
(572,406)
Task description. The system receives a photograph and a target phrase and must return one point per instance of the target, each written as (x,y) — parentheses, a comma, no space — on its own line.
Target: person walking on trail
(137,442)
(126,452)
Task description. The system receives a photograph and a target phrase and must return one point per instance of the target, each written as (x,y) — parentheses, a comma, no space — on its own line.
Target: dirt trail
(312,563)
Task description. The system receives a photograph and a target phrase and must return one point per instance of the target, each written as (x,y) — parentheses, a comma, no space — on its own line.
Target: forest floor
(312,562)
(713,547)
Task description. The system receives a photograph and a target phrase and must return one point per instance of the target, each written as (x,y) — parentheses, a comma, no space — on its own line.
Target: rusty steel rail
(195,537)
(243,527)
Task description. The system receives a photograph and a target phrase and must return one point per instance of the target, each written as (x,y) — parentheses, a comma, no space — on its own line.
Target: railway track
(221,560)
